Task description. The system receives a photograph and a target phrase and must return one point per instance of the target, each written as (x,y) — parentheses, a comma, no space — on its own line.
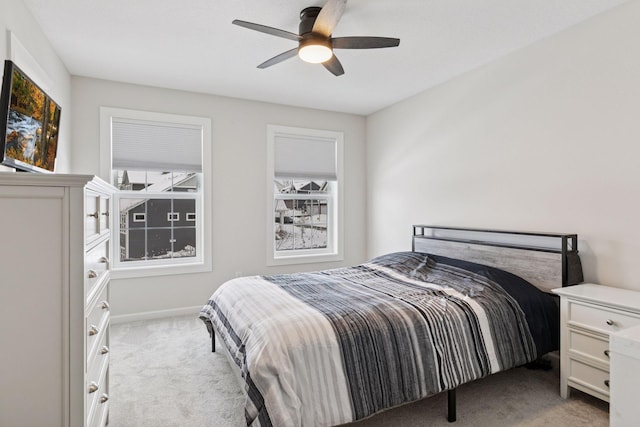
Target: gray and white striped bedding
(330,347)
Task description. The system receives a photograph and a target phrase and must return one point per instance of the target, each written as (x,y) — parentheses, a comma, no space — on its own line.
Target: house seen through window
(151,226)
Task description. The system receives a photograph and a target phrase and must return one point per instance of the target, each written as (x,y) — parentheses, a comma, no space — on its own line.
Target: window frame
(144,268)
(335,217)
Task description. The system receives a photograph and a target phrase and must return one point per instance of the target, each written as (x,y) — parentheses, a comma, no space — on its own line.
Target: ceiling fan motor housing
(307,19)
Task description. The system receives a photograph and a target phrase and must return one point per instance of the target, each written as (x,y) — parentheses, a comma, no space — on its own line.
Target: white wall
(239,173)
(50,73)
(545,139)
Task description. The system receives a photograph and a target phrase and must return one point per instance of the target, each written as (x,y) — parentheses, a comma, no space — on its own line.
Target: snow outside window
(301,214)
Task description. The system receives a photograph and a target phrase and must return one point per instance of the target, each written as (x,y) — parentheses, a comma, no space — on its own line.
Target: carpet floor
(163,374)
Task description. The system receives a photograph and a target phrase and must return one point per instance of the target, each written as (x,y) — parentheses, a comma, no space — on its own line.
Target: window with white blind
(304,176)
(159,164)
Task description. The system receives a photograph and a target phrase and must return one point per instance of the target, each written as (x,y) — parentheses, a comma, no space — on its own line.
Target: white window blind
(305,157)
(146,145)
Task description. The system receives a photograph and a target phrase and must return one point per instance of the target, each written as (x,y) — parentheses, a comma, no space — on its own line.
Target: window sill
(304,259)
(159,270)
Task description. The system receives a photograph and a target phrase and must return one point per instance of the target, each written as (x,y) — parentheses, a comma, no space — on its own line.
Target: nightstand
(589,313)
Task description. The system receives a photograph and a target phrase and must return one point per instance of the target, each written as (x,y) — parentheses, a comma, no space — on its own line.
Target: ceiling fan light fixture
(315,50)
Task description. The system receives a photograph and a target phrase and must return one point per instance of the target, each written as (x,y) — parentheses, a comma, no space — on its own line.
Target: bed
(334,346)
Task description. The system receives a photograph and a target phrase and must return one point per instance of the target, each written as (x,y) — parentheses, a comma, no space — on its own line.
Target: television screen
(29,123)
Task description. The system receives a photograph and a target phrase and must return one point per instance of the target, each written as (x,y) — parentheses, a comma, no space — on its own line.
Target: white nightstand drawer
(589,346)
(600,318)
(588,376)
(590,314)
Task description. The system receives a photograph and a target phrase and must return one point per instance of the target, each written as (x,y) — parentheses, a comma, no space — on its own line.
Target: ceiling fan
(315,43)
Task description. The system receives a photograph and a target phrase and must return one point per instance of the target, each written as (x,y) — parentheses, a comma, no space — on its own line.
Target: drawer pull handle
(104,398)
(607,353)
(104,305)
(104,260)
(104,349)
(606,382)
(92,274)
(93,330)
(105,213)
(93,387)
(93,215)
(610,322)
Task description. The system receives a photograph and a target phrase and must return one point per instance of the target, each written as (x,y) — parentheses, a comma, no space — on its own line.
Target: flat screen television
(29,123)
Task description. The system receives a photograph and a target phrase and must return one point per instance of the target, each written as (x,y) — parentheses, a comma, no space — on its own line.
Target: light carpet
(163,374)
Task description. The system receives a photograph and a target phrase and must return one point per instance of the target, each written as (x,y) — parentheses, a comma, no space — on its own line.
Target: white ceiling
(192,45)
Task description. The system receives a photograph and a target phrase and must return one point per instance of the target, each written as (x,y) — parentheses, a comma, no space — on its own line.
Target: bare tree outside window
(300,214)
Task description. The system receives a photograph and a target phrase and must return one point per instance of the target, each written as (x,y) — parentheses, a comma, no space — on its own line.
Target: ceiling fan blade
(328,17)
(279,58)
(364,42)
(334,66)
(267,30)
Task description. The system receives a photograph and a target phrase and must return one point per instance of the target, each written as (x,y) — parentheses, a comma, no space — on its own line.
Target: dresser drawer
(104,210)
(96,362)
(97,323)
(602,319)
(588,376)
(96,265)
(101,413)
(97,395)
(97,212)
(92,216)
(589,346)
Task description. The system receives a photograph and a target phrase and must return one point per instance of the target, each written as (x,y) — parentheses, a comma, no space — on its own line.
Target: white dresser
(589,314)
(54,299)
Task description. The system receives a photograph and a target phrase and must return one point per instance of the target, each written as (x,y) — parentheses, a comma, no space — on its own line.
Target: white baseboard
(159,314)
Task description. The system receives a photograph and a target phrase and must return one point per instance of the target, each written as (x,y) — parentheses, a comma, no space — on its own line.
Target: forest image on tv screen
(26,139)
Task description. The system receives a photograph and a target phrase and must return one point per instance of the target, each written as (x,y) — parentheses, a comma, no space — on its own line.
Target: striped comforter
(334,346)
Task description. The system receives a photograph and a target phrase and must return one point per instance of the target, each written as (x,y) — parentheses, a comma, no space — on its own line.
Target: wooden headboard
(546,260)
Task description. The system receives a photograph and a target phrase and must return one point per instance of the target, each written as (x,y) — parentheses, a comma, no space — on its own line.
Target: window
(305,199)
(191,216)
(156,161)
